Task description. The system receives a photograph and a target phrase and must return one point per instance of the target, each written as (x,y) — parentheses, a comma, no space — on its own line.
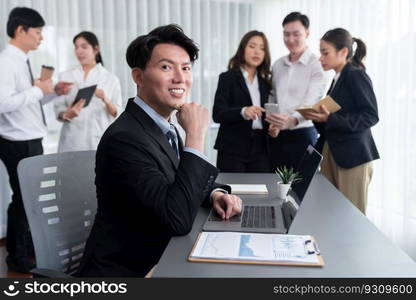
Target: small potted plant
(287,176)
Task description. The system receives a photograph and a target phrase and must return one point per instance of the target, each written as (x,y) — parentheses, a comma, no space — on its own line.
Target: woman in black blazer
(238,107)
(345,138)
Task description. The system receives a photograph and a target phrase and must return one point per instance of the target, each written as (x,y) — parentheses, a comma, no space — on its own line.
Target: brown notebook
(329,103)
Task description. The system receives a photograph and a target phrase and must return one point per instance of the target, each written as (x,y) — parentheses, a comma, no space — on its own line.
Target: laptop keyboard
(258,217)
(214,217)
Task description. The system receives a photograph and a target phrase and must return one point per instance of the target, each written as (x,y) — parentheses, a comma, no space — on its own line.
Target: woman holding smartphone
(238,106)
(345,138)
(83,126)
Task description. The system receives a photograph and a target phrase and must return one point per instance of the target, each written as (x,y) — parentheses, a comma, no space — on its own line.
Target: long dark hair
(341,38)
(91,39)
(237,61)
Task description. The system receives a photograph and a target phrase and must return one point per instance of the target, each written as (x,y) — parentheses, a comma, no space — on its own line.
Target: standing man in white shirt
(22,122)
(298,80)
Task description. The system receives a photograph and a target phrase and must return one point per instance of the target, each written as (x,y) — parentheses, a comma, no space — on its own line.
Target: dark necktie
(32,80)
(171,135)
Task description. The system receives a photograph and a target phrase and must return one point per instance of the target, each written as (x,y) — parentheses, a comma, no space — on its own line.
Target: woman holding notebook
(345,140)
(83,125)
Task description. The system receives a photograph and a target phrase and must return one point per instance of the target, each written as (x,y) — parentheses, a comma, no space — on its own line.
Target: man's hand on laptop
(226,205)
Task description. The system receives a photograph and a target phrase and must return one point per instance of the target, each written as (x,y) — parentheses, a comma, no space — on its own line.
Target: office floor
(3,266)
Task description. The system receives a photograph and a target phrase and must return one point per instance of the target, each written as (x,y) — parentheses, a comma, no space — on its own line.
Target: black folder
(85,93)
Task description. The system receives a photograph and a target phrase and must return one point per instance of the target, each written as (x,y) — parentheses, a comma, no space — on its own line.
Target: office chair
(60,201)
(5,196)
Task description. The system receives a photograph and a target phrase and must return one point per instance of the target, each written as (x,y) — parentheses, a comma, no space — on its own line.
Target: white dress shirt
(20,111)
(84,131)
(254,90)
(295,84)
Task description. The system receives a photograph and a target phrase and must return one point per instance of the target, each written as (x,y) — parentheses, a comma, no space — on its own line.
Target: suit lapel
(242,83)
(263,91)
(341,78)
(153,130)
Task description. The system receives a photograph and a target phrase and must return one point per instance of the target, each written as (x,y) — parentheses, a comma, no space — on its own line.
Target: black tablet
(85,93)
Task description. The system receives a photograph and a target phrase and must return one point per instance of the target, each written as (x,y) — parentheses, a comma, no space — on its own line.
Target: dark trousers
(257,161)
(19,240)
(289,146)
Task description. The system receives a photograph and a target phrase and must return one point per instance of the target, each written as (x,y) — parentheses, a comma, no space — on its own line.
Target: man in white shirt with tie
(298,80)
(22,122)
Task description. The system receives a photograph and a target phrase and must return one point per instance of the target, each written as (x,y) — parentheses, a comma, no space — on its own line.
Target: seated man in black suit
(149,185)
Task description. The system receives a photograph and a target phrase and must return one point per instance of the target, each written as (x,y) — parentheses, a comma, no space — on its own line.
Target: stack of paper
(254,189)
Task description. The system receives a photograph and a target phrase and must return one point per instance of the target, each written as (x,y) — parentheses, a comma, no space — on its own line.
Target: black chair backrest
(60,201)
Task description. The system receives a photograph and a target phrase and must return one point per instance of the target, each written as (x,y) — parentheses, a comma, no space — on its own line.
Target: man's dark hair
(296,16)
(140,50)
(23,16)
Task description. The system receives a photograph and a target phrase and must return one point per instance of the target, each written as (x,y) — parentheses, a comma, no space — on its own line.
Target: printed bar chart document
(248,189)
(256,248)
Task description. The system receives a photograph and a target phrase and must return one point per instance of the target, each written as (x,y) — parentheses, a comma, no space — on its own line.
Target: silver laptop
(265,216)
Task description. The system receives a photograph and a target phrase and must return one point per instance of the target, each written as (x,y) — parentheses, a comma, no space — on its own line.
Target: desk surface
(350,244)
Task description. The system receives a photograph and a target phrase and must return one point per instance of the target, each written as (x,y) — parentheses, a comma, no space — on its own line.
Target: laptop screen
(307,168)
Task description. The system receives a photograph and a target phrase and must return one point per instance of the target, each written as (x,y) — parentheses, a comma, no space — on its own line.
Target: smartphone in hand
(271,108)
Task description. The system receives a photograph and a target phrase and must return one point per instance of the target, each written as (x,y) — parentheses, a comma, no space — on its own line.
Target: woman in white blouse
(84,126)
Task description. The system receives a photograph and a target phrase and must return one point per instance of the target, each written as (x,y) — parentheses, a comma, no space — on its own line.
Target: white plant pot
(282,189)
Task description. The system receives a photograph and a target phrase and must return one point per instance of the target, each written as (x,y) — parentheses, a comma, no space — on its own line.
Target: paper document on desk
(254,189)
(256,247)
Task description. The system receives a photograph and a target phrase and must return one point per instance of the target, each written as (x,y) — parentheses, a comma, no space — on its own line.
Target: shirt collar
(12,49)
(163,124)
(303,59)
(337,76)
(97,66)
(245,75)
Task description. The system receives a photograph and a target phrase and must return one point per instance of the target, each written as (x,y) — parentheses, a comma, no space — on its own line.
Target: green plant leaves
(288,175)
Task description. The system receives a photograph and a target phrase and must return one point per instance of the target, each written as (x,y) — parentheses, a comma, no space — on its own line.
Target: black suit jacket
(145,196)
(234,134)
(348,131)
